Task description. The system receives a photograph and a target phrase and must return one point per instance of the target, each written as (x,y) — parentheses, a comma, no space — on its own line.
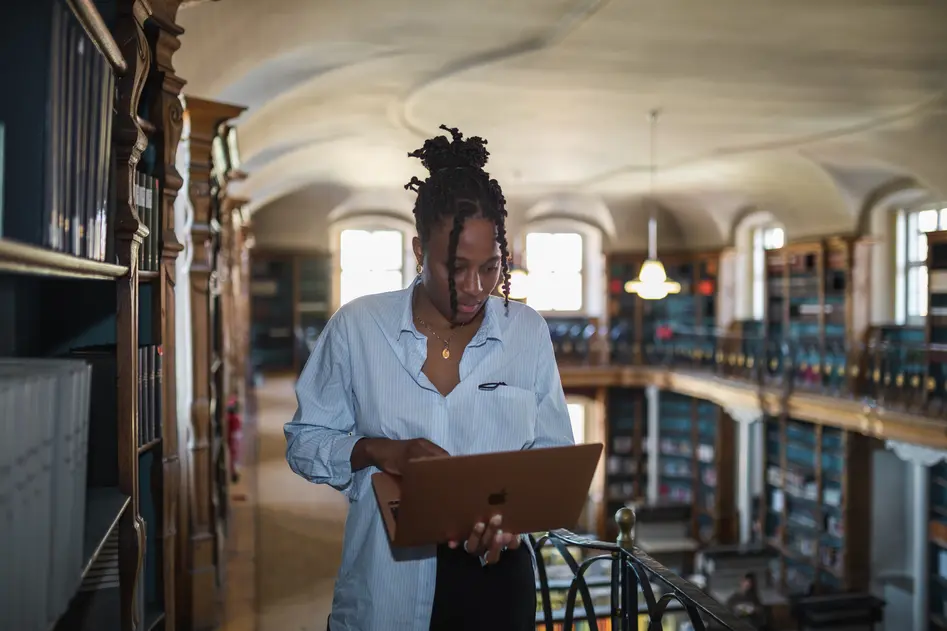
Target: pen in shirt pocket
(491,385)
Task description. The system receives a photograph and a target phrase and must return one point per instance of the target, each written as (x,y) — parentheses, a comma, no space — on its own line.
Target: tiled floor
(287,538)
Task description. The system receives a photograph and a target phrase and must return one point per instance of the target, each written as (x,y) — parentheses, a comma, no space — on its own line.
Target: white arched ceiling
(588,209)
(796,108)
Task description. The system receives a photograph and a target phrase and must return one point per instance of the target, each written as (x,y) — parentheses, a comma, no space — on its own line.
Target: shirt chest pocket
(503,419)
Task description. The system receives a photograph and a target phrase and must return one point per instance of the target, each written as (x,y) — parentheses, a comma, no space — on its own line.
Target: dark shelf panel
(153,617)
(104,508)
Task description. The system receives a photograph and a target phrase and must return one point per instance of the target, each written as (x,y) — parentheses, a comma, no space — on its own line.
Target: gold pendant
(445,353)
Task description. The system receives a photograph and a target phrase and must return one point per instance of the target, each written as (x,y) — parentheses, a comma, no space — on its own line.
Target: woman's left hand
(488,540)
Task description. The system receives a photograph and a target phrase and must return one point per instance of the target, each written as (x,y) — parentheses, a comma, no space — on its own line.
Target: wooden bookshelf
(203,517)
(936,324)
(636,325)
(290,297)
(234,263)
(73,286)
(815,510)
(817,298)
(937,563)
(626,455)
(696,464)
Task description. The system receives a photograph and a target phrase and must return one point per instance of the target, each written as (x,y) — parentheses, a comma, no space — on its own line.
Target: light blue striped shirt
(364,379)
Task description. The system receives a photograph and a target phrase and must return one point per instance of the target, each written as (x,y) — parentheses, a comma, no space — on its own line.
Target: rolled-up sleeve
(320,438)
(553,424)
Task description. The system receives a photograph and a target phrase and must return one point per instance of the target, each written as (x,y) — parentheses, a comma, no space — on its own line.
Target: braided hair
(458,188)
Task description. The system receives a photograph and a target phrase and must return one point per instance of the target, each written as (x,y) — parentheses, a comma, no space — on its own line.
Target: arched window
(565,263)
(371,254)
(554,261)
(768,237)
(371,262)
(911,262)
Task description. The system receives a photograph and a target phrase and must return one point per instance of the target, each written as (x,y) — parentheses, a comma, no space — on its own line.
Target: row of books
(44,429)
(147,198)
(149,394)
(59,126)
(81,99)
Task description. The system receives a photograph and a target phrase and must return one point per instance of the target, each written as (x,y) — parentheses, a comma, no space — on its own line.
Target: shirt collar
(490,328)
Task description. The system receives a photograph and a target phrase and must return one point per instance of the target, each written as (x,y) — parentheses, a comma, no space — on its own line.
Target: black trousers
(498,597)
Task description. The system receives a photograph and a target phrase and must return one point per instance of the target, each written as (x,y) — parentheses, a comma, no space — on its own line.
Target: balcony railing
(637,586)
(902,376)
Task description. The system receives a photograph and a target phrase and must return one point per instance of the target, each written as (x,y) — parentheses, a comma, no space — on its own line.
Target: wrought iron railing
(896,375)
(638,586)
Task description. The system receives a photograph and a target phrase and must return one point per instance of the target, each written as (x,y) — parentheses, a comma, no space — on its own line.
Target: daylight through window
(912,258)
(372,262)
(554,264)
(764,238)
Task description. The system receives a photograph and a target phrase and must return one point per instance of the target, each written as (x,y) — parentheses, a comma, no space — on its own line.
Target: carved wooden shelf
(29,259)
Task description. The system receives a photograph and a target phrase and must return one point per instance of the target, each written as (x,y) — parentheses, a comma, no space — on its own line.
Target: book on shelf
(149,394)
(44,532)
(56,194)
(146,198)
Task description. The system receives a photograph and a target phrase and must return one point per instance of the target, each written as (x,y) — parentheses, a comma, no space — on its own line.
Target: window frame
(908,259)
(370,223)
(594,286)
(760,244)
(581,271)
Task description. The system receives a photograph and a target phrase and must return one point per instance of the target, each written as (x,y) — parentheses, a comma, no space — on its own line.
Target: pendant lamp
(652,282)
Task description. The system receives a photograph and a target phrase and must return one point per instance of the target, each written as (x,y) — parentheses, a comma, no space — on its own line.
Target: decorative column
(745,417)
(198,593)
(167,116)
(129,141)
(921,460)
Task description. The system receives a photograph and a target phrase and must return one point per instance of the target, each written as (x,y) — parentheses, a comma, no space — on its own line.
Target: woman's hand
(391,456)
(488,540)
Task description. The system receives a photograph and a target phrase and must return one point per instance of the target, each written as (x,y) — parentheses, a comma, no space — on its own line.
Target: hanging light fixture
(652,282)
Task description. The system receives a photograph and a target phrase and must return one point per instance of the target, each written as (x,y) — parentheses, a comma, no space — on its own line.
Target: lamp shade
(652,282)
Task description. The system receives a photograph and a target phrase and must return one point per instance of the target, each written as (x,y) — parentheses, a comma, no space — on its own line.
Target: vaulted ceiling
(806,109)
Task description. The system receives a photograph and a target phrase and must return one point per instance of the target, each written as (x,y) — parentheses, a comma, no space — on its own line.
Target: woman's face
(476,268)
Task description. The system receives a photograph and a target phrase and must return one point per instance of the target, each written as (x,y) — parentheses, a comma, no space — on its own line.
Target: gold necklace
(445,352)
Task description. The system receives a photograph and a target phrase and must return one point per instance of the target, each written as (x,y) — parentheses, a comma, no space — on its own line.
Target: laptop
(440,499)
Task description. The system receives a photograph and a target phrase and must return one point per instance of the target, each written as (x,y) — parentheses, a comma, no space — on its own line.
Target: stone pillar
(744,418)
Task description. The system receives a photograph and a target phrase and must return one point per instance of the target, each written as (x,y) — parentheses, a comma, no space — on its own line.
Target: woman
(395,376)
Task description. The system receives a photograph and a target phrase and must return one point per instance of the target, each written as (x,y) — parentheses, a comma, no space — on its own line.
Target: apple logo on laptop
(495,499)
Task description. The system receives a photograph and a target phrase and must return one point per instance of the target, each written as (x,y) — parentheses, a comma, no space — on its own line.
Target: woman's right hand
(391,456)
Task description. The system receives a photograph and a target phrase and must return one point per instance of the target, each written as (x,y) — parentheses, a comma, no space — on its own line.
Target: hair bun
(439,153)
